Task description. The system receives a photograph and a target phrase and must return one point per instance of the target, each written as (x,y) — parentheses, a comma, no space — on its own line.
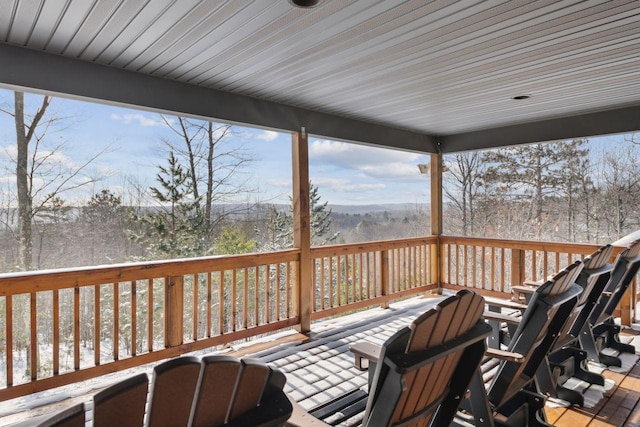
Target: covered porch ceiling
(426,76)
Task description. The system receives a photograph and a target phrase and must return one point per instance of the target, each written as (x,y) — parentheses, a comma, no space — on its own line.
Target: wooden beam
(436,194)
(436,218)
(31,70)
(622,120)
(302,228)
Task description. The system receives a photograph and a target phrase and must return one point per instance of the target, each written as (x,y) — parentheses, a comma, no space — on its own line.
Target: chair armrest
(524,289)
(301,418)
(364,350)
(504,355)
(535,283)
(504,303)
(490,315)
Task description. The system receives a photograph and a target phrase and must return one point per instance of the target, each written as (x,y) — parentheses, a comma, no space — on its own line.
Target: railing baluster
(33,350)
(322,287)
(256,295)
(245,298)
(150,310)
(278,277)
(76,327)
(196,291)
(221,303)
(116,321)
(267,305)
(493,278)
(56,331)
(9,338)
(331,288)
(361,278)
(287,289)
(134,319)
(96,324)
(234,297)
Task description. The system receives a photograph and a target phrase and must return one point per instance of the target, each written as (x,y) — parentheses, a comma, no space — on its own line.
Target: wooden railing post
(384,276)
(173,310)
(517,267)
(302,229)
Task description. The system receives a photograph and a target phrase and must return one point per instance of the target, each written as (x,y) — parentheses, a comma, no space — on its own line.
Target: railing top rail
(585,248)
(379,245)
(43,280)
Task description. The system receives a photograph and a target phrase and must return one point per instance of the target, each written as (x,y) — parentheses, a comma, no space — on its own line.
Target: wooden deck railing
(495,265)
(63,326)
(349,277)
(66,326)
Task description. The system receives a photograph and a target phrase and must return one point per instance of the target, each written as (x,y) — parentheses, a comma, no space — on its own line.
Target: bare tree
(42,171)
(462,184)
(214,164)
(619,184)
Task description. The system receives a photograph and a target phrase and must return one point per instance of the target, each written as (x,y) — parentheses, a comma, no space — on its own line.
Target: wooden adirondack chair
(512,397)
(421,373)
(566,358)
(121,404)
(600,331)
(70,417)
(233,392)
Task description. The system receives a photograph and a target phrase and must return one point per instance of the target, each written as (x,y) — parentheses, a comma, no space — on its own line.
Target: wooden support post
(436,219)
(303,295)
(384,276)
(173,310)
(517,267)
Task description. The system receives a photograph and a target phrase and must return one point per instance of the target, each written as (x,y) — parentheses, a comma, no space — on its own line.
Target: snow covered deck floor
(320,368)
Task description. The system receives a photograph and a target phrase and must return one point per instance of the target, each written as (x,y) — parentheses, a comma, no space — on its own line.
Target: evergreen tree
(278,226)
(174,228)
(233,240)
(528,177)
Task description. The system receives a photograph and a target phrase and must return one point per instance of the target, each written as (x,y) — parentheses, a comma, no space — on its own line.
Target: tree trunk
(22,179)
(24,133)
(209,196)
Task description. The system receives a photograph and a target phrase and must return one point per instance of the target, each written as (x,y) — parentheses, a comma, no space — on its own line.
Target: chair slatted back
(122,403)
(70,417)
(420,366)
(593,278)
(217,383)
(251,383)
(229,390)
(172,390)
(546,314)
(624,271)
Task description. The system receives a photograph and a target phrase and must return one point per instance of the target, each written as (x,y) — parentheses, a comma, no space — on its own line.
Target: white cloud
(140,119)
(279,183)
(371,162)
(267,135)
(341,185)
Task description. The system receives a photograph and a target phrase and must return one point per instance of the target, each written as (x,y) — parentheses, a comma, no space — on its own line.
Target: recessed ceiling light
(521,97)
(305,4)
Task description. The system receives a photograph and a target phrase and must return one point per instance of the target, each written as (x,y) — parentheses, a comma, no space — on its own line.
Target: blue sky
(345,173)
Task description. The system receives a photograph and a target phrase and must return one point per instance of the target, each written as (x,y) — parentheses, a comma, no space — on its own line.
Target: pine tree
(278,226)
(527,178)
(172,230)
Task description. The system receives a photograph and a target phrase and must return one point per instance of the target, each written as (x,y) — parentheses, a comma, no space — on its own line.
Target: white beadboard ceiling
(439,73)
